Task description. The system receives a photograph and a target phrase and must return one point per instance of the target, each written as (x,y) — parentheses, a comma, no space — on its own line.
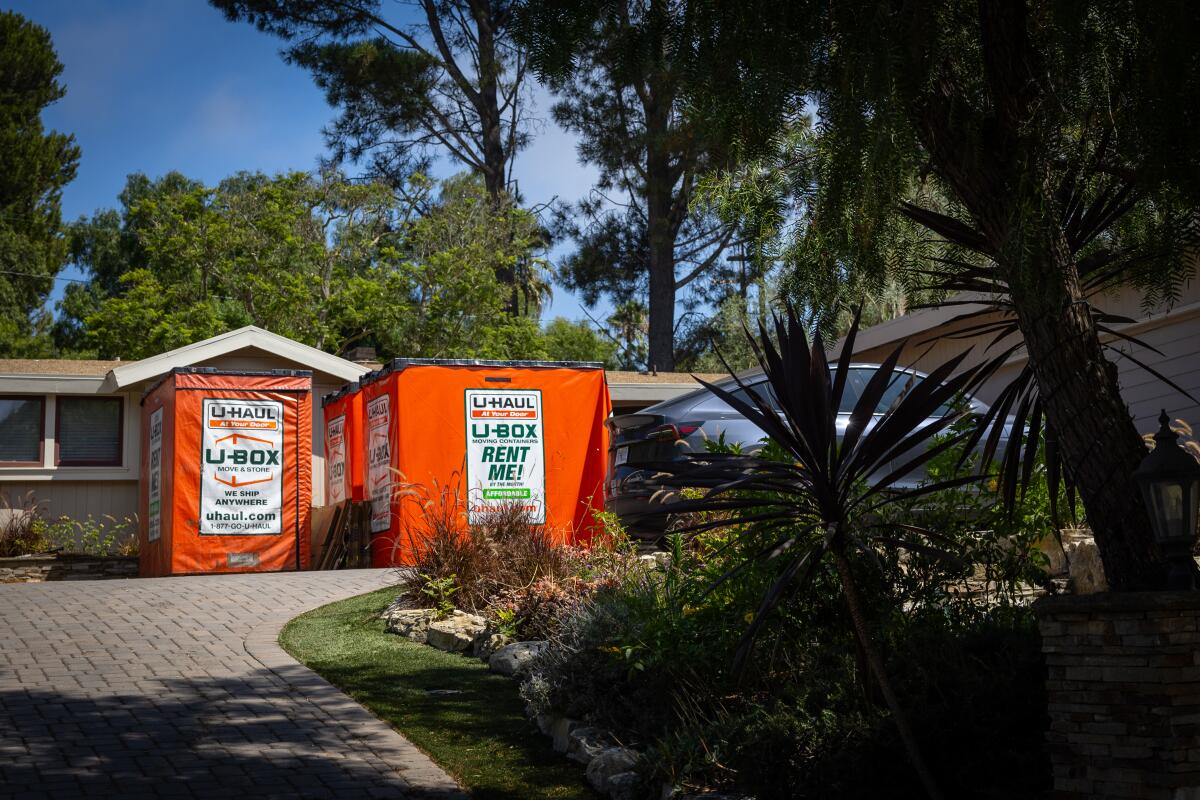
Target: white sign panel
(506,461)
(241,467)
(154,525)
(335,459)
(379,462)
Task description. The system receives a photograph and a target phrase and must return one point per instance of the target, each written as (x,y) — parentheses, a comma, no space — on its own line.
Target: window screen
(21,429)
(89,431)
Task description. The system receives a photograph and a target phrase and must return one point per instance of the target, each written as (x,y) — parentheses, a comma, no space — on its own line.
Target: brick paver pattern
(174,687)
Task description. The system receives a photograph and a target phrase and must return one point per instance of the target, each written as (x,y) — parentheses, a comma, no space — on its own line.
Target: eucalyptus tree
(1061,136)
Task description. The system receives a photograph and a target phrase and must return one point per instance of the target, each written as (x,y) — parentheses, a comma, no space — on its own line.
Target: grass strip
(470,721)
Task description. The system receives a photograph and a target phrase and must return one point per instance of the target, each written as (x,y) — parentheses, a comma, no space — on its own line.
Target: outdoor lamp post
(1170,480)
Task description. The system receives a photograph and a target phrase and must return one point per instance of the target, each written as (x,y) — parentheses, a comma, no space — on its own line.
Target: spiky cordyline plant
(816,509)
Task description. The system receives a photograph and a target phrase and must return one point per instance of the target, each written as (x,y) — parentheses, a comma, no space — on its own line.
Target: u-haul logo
(500,406)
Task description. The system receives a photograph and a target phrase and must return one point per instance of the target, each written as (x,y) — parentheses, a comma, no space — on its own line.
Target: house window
(21,429)
(88,431)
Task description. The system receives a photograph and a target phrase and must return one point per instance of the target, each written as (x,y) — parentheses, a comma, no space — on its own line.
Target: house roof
(247,338)
(56,367)
(661,378)
(626,388)
(920,321)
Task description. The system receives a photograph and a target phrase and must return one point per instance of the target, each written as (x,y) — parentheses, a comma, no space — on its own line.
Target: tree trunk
(660,235)
(495,160)
(1082,400)
(875,660)
(998,164)
(662,301)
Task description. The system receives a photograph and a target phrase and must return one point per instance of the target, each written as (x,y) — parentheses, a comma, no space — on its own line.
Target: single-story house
(930,337)
(70,430)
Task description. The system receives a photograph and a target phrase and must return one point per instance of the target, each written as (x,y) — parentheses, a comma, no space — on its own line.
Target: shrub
(532,612)
(803,720)
(648,656)
(106,537)
(19,534)
(477,563)
(25,530)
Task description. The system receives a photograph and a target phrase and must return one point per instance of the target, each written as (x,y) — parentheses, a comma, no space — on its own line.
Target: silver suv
(664,432)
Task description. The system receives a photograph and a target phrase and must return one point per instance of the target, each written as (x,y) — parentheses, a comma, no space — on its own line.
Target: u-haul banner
(154,523)
(241,467)
(335,459)
(379,462)
(506,462)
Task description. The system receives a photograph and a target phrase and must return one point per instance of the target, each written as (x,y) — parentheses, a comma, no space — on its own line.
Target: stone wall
(66,567)
(1123,687)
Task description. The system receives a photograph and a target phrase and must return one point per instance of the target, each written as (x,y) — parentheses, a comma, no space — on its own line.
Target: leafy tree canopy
(323,260)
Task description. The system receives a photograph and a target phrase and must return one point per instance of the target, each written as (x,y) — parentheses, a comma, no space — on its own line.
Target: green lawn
(479,733)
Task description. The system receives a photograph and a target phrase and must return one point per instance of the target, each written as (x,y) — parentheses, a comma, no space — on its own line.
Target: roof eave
(249,337)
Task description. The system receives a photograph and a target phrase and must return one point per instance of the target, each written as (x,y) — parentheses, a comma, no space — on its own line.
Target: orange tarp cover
(226,472)
(536,437)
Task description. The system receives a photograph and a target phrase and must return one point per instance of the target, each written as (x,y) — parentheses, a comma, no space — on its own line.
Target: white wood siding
(76,499)
(1175,334)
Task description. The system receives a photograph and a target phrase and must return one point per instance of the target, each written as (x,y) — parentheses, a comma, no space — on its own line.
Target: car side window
(900,385)
(762,389)
(856,381)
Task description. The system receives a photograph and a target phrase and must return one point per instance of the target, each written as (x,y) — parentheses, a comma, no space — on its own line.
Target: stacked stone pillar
(1123,688)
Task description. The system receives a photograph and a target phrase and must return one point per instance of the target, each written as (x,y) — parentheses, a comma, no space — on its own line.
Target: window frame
(120,458)
(41,459)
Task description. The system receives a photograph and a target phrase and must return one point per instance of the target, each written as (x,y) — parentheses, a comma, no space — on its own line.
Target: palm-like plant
(817,507)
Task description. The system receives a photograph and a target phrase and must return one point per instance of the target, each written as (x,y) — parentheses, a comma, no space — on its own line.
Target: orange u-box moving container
(226,472)
(486,434)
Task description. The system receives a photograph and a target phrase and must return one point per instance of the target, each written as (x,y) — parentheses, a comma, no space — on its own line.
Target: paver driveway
(176,687)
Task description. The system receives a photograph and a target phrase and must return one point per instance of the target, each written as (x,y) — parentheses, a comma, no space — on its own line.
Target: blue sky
(157,85)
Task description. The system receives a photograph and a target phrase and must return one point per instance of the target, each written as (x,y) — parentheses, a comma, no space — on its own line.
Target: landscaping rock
(456,633)
(560,731)
(399,604)
(1087,571)
(515,658)
(1057,553)
(486,645)
(624,786)
(411,623)
(609,763)
(585,743)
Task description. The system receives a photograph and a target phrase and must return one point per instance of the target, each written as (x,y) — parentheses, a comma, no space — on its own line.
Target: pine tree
(617,67)
(35,165)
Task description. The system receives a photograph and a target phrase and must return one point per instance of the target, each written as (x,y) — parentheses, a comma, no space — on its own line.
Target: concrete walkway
(175,687)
